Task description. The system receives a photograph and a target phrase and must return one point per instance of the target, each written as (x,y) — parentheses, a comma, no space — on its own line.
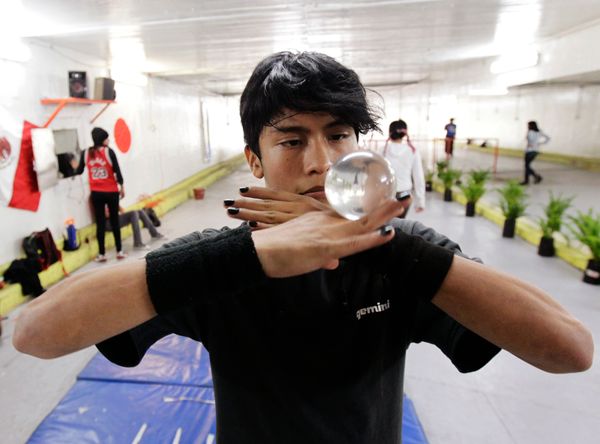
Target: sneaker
(100,258)
(538,179)
(523,183)
(141,247)
(121,255)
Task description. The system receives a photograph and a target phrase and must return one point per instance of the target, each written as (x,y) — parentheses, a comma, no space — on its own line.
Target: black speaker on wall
(77,84)
(104,89)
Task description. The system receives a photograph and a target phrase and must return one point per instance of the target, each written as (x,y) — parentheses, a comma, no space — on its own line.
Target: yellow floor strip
(526,228)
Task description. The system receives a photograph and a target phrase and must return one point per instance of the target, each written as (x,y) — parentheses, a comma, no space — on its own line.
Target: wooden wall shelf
(61,103)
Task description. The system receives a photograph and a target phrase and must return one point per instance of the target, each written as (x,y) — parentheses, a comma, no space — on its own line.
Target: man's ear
(254,163)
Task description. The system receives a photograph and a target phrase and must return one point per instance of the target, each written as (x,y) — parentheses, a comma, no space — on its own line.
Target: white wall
(164,119)
(569,114)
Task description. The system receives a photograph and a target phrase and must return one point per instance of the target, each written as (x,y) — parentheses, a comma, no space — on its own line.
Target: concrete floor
(506,402)
(582,185)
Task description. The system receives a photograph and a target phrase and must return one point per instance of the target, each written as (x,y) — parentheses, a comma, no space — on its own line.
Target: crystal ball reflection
(358,183)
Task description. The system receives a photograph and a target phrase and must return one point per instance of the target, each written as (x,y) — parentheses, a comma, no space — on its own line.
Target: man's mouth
(315,192)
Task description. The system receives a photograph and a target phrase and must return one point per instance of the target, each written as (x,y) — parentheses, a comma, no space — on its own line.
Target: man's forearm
(84,310)
(516,316)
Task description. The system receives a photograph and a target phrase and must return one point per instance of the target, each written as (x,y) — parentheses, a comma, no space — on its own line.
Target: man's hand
(318,239)
(265,207)
(121,192)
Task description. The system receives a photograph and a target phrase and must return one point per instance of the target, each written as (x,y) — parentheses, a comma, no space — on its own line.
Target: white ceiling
(216,43)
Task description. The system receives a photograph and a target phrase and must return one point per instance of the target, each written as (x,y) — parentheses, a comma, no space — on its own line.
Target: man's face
(298,150)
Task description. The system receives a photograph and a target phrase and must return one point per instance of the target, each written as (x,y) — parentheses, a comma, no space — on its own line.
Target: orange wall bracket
(61,103)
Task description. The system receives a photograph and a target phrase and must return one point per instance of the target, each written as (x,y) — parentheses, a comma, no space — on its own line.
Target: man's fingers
(361,242)
(266,217)
(259,205)
(254,225)
(267,193)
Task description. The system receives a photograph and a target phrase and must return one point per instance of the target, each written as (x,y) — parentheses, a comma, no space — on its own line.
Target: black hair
(398,129)
(99,136)
(532,125)
(303,82)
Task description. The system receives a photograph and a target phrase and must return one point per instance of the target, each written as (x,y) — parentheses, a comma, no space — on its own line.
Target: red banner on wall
(26,194)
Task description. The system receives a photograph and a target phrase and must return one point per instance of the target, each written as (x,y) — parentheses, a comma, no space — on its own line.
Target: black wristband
(194,272)
(424,265)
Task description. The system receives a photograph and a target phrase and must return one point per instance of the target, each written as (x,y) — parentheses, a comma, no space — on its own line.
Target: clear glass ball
(358,183)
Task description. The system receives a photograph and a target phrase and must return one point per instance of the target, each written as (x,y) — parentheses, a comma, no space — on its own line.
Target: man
(308,317)
(450,135)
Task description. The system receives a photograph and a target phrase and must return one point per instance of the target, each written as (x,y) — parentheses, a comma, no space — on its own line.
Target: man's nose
(318,157)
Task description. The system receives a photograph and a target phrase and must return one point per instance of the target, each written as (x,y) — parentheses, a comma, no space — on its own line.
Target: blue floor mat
(117,412)
(172,360)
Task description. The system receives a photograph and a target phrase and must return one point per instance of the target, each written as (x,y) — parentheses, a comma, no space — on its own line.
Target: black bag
(152,215)
(25,272)
(40,246)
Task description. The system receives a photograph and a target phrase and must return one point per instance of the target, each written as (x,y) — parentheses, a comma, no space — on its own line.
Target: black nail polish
(228,202)
(244,189)
(233,210)
(253,223)
(385,230)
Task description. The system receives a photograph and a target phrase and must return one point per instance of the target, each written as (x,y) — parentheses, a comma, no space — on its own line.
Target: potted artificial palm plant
(512,204)
(442,165)
(586,228)
(552,222)
(473,192)
(448,177)
(479,176)
(474,189)
(429,180)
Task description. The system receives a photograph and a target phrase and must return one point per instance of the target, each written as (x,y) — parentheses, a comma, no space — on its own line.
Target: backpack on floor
(40,246)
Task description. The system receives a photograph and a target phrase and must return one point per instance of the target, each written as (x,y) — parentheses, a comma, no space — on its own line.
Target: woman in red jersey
(106,184)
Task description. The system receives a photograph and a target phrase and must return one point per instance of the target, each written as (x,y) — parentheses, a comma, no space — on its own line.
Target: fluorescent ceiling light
(515,61)
(517,25)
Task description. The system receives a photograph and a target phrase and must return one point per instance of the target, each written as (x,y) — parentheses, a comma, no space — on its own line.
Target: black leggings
(529,156)
(100,200)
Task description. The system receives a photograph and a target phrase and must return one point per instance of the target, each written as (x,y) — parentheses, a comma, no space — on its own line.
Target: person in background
(406,162)
(450,135)
(106,185)
(133,218)
(535,138)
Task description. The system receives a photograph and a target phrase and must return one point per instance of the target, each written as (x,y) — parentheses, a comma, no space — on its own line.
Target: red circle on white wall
(122,136)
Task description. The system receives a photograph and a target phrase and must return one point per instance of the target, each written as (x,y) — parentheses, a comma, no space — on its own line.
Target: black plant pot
(448,195)
(592,272)
(509,228)
(546,247)
(470,209)
(429,185)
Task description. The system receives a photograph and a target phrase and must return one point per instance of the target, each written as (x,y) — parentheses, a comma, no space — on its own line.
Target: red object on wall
(26,194)
(122,136)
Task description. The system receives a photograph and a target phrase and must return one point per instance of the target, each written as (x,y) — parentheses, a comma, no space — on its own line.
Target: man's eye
(292,143)
(338,137)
